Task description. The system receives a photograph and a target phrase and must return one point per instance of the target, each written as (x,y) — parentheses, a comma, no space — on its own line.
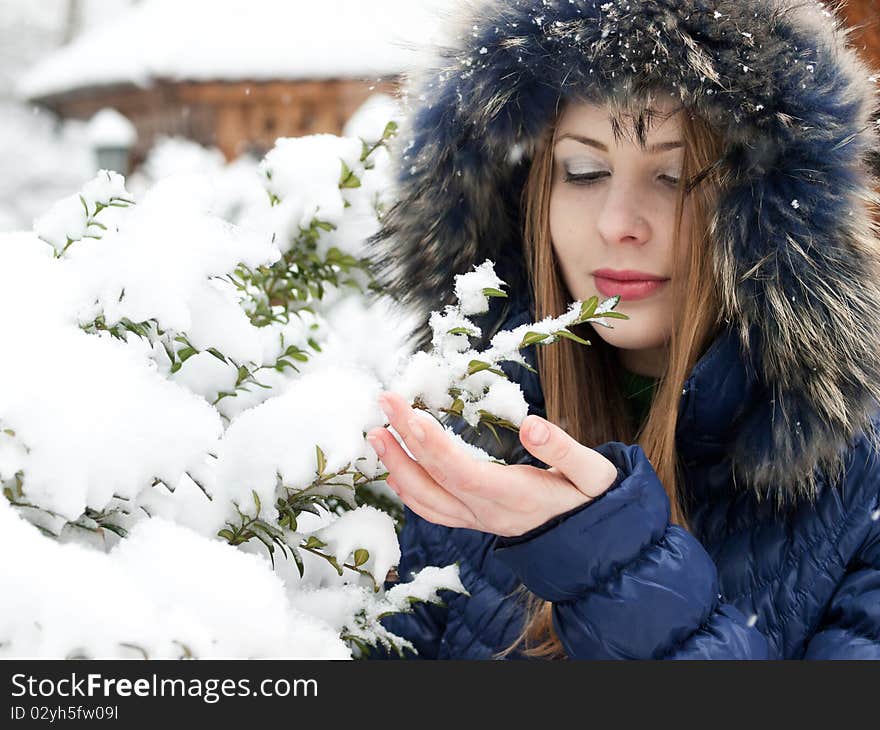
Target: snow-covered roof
(244,40)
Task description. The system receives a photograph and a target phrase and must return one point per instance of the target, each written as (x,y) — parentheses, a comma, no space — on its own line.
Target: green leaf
(494,432)
(314,543)
(216,353)
(322,460)
(332,560)
(186,353)
(243,374)
(226,534)
(270,546)
(257,501)
(121,531)
(460,331)
(571,336)
(490,292)
(475,366)
(348,179)
(531,338)
(361,556)
(390,129)
(588,307)
(613,315)
(297,558)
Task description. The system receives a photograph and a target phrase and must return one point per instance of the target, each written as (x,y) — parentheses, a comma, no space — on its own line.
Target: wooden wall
(864,17)
(237,117)
(243,117)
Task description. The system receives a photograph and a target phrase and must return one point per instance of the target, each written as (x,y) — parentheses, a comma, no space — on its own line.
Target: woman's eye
(585,178)
(673,181)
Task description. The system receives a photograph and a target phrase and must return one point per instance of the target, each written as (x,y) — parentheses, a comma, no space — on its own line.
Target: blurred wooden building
(235,74)
(863,16)
(235,116)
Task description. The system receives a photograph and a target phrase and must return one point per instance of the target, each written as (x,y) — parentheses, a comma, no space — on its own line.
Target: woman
(706,482)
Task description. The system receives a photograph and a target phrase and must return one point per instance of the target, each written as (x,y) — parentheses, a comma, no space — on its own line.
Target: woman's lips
(629,290)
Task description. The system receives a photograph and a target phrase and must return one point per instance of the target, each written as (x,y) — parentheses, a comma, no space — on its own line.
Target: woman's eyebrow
(653,149)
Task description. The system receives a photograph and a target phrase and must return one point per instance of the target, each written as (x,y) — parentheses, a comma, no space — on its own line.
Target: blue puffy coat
(778,421)
(743,583)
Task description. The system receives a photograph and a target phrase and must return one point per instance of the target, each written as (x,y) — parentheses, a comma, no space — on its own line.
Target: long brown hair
(599,413)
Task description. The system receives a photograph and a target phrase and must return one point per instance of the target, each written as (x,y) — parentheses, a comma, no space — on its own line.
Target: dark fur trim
(794,104)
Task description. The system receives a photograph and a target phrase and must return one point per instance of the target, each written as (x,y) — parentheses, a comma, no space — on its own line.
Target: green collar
(638,390)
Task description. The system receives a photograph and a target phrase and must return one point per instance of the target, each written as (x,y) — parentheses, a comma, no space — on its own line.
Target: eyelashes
(585,178)
(589,178)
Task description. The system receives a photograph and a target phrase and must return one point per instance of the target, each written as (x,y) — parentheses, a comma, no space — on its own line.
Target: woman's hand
(447,486)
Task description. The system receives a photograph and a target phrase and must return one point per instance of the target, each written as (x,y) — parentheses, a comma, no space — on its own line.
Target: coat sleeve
(624,582)
(850,627)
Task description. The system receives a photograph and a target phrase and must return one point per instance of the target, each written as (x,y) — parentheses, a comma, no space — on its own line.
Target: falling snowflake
(484,51)
(717,15)
(795,204)
(753,619)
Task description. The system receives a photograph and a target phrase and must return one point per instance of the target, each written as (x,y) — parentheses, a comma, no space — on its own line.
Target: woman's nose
(621,218)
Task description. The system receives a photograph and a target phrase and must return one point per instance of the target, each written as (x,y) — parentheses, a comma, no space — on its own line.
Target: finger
(584,467)
(413,480)
(423,510)
(447,464)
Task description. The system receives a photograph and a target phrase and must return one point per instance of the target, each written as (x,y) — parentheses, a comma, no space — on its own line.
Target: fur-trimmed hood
(796,253)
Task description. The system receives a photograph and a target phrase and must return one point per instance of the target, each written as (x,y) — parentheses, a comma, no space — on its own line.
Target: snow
(113,401)
(504,399)
(371,118)
(317,164)
(425,585)
(167,593)
(40,163)
(70,218)
(345,535)
(109,128)
(157,438)
(469,288)
(242,40)
(434,377)
(238,192)
(330,408)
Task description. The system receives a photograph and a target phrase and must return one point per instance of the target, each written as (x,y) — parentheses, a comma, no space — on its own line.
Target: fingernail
(538,433)
(377,445)
(416,430)
(386,407)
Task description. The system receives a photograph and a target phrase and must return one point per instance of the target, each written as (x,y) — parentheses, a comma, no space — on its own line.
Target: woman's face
(612,212)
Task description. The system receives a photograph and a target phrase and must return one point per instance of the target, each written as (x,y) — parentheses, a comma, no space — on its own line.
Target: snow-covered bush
(184,409)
